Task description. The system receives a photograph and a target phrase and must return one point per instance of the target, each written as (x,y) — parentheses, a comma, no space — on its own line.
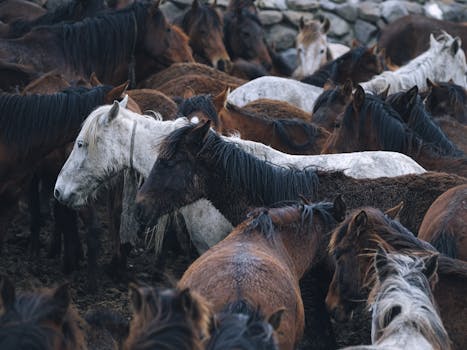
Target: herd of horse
(331,191)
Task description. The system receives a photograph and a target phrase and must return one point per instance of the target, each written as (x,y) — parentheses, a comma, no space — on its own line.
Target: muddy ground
(42,272)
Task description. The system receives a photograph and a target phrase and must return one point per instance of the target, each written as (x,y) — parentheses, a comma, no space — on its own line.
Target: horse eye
(321,51)
(337,125)
(168,30)
(80,144)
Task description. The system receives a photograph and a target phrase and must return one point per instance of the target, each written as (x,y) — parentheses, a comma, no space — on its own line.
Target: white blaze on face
(311,57)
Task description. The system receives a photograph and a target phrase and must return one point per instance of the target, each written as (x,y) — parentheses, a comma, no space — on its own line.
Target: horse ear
(430,83)
(301,23)
(113,111)
(355,43)
(195,5)
(7,292)
(383,95)
(61,298)
(456,44)
(433,41)
(214,3)
(325,26)
(154,7)
(329,85)
(347,88)
(361,219)
(188,93)
(199,133)
(412,95)
(431,266)
(372,49)
(136,297)
(381,261)
(94,80)
(220,100)
(339,208)
(123,103)
(358,97)
(394,213)
(117,93)
(275,319)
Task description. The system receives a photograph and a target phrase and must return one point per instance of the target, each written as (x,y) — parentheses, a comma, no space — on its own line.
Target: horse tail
(445,243)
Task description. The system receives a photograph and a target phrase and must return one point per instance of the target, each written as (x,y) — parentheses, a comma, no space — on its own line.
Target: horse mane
(25,316)
(279,127)
(286,213)
(67,11)
(330,70)
(104,41)
(202,103)
(241,326)
(423,125)
(408,289)
(451,266)
(267,182)
(32,120)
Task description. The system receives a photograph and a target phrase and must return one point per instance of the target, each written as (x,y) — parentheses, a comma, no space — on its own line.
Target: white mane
(437,64)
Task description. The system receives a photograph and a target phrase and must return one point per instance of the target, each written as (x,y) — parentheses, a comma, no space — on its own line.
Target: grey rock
(183,3)
(369,11)
(348,12)
(170,11)
(364,31)
(223,3)
(339,27)
(454,12)
(328,6)
(305,5)
(393,9)
(282,36)
(290,57)
(414,7)
(339,1)
(269,17)
(293,17)
(272,4)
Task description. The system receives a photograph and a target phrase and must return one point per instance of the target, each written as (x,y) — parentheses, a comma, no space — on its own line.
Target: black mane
(100,43)
(266,182)
(331,70)
(422,124)
(74,10)
(28,122)
(199,103)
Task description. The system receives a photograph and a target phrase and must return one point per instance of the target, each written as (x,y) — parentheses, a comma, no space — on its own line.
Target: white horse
(313,49)
(404,312)
(113,139)
(289,90)
(444,60)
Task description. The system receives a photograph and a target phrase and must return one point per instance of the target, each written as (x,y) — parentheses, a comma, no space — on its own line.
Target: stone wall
(350,20)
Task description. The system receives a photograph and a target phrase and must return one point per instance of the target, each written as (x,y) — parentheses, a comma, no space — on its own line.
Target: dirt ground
(28,274)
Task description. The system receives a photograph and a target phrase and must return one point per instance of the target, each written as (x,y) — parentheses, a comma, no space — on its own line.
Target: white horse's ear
(456,44)
(124,102)
(433,41)
(113,111)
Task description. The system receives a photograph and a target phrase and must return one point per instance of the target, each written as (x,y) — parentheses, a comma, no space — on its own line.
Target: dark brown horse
(276,109)
(234,180)
(262,260)
(409,36)
(447,99)
(205,28)
(39,320)
(369,124)
(331,104)
(153,100)
(359,64)
(178,70)
(354,244)
(444,223)
(114,42)
(454,130)
(175,319)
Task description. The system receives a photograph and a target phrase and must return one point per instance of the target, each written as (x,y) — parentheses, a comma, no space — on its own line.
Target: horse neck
(149,133)
(231,121)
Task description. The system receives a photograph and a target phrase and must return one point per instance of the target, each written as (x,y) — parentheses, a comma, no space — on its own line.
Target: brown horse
(444,223)
(359,64)
(178,70)
(409,36)
(116,40)
(205,27)
(354,244)
(175,319)
(293,136)
(331,104)
(454,130)
(447,99)
(369,124)
(244,37)
(276,109)
(153,100)
(39,320)
(262,261)
(194,84)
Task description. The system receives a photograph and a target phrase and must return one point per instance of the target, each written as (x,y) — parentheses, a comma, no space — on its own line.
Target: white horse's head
(311,47)
(100,151)
(449,54)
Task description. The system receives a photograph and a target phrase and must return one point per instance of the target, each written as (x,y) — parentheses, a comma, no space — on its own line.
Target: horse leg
(93,244)
(55,248)
(35,212)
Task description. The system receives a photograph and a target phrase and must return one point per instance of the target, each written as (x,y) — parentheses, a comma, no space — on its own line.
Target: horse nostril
(57,194)
(221,65)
